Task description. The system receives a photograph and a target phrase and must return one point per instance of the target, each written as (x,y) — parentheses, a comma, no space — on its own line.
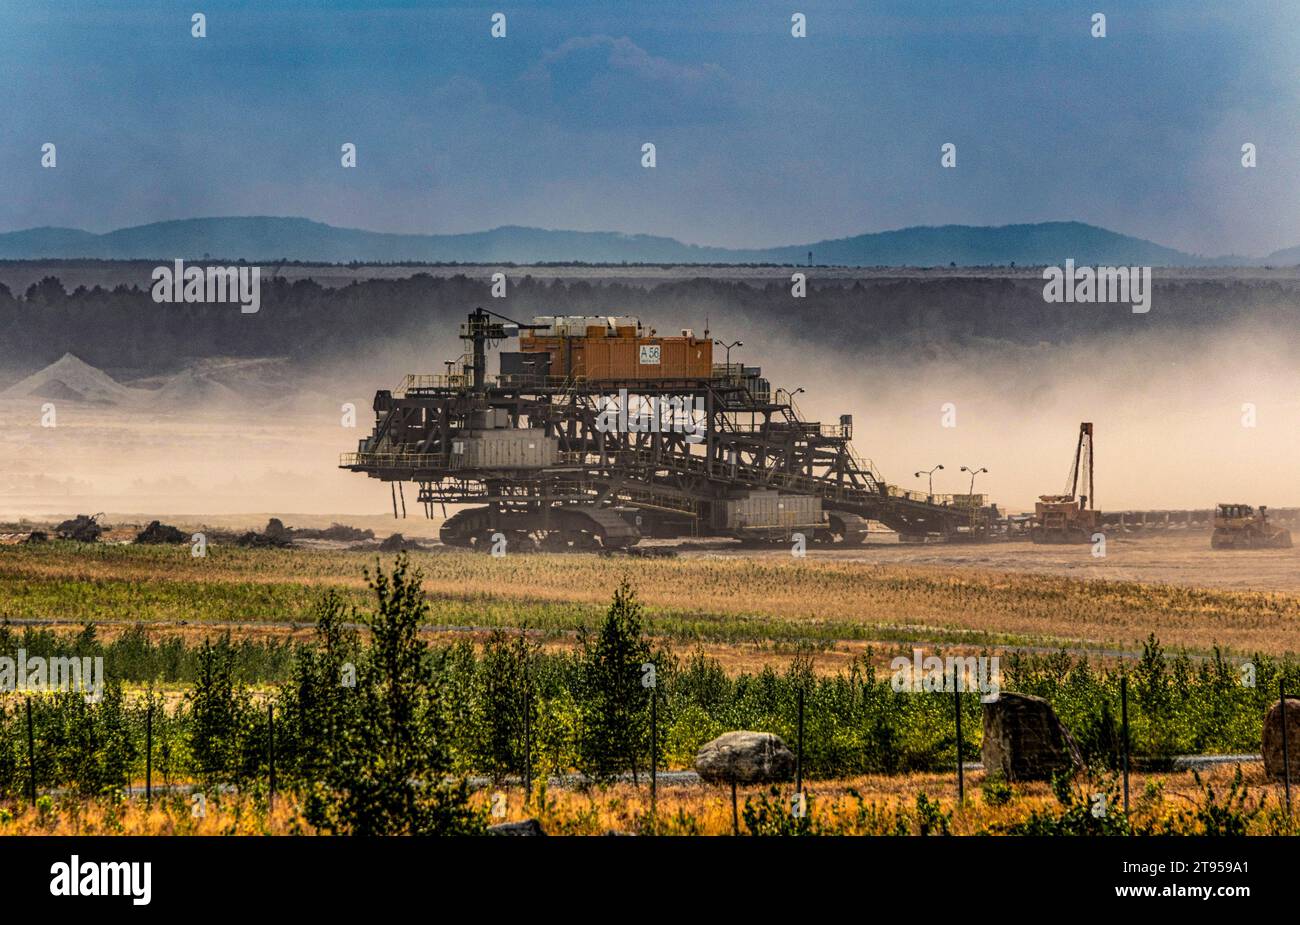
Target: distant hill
(263,239)
(1283,258)
(969,245)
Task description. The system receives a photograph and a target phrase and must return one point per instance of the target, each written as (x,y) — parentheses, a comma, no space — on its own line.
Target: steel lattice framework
(619,484)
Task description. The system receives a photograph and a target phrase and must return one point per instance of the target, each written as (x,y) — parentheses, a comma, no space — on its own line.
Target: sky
(761,138)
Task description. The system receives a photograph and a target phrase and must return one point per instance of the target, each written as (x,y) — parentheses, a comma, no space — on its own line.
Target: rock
(1024,740)
(1272,746)
(745,758)
(37,536)
(522,827)
(398,543)
(158,533)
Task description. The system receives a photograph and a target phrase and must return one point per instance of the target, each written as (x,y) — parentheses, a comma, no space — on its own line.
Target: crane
(1070,517)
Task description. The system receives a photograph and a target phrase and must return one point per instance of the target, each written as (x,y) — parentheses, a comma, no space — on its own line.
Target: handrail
(413,381)
(393,460)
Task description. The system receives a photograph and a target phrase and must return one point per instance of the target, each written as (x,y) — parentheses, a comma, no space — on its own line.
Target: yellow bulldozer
(1240,526)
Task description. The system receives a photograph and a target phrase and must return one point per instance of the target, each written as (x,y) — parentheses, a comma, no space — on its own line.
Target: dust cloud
(265,436)
(1170,415)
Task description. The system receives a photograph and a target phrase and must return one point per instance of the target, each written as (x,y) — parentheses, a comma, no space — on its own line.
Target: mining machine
(596,432)
(1070,517)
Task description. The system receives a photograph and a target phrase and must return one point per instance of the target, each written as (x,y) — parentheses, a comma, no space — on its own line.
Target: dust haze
(248,436)
(1170,415)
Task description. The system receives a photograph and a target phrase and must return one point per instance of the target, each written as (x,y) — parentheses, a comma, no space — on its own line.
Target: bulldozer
(1240,526)
(1070,517)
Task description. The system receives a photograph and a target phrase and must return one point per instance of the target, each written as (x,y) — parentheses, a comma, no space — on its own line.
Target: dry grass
(754,602)
(868,805)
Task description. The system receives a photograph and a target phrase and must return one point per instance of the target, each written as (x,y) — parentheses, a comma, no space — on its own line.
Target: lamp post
(930,473)
(973,473)
(728,347)
(788,394)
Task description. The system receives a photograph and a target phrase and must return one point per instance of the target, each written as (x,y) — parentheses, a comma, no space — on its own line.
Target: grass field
(754,606)
(745,611)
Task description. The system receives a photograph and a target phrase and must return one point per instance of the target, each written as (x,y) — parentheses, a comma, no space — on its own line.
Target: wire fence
(510,715)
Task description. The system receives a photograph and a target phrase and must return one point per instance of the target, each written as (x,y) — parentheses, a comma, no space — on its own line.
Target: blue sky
(762,139)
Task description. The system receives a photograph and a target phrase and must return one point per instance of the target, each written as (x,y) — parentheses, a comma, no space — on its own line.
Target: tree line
(124,328)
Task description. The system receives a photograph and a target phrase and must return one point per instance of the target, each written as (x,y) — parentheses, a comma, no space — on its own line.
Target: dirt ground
(1176,558)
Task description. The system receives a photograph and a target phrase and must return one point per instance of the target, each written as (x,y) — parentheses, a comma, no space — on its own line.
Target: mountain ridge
(272,238)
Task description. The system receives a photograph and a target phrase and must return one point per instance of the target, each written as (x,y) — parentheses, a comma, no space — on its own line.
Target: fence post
(961,772)
(798,759)
(148,755)
(528,710)
(1123,713)
(1286,747)
(270,755)
(31,752)
(654,749)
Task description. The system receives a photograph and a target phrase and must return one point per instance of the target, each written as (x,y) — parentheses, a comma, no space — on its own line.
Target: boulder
(745,758)
(1024,740)
(522,827)
(1272,746)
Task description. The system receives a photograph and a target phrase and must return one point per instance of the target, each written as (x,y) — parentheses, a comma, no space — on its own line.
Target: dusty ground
(759,605)
(1175,558)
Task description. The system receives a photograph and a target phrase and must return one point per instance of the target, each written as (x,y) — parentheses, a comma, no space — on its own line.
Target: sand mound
(190,388)
(71,379)
(262,379)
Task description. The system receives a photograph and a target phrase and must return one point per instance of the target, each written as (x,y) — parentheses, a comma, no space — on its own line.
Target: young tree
(319,703)
(507,704)
(221,720)
(614,705)
(393,756)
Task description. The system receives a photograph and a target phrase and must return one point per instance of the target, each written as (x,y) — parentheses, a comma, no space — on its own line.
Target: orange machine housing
(620,353)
